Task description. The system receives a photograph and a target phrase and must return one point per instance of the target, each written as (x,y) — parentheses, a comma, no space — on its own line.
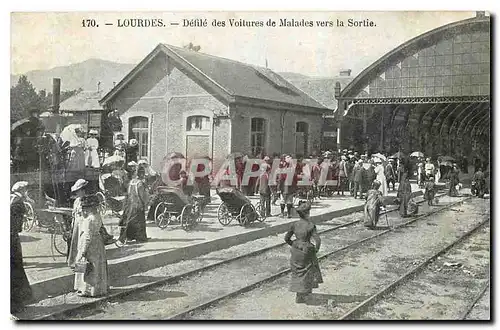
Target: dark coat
(20,290)
(306,274)
(357,174)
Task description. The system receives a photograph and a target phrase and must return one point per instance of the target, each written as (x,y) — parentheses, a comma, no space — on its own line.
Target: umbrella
(173,155)
(379,155)
(19,123)
(69,134)
(113,160)
(397,155)
(417,154)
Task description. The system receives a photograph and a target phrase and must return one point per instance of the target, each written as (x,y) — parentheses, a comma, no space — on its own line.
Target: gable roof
(412,46)
(83,101)
(321,89)
(234,80)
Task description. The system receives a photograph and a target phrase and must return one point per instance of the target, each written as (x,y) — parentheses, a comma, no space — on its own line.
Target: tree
(23,98)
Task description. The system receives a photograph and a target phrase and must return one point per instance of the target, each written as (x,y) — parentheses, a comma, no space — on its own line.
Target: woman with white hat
(132,151)
(380,176)
(20,290)
(91,155)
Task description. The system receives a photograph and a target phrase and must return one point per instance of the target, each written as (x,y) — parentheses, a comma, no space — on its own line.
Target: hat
(142,161)
(79,185)
(19,185)
(343,157)
(266,158)
(427,159)
(90,201)
(132,163)
(304,207)
(93,131)
(133,142)
(377,160)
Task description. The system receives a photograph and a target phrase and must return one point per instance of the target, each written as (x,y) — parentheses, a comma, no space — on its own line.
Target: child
(429,190)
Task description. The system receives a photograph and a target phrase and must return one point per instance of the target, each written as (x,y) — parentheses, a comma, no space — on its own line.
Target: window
(94,121)
(197,123)
(139,130)
(257,135)
(301,138)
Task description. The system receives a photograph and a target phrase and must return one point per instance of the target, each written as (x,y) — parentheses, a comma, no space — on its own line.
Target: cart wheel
(261,212)
(120,244)
(186,217)
(246,213)
(162,217)
(58,239)
(223,214)
(29,217)
(103,205)
(310,196)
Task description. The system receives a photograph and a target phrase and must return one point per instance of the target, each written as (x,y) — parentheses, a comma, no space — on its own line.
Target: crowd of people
(363,176)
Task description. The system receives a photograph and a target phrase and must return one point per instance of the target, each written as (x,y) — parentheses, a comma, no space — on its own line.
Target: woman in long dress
(380,177)
(374,201)
(454,181)
(94,281)
(133,221)
(306,274)
(404,195)
(20,290)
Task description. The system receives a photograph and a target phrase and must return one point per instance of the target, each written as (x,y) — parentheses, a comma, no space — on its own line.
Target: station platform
(49,274)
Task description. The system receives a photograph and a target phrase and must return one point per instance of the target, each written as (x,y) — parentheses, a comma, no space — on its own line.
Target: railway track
(186,312)
(472,305)
(361,308)
(249,286)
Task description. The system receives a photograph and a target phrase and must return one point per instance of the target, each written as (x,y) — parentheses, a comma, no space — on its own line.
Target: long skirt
(94,282)
(306,274)
(429,194)
(20,290)
(372,214)
(403,207)
(133,223)
(452,191)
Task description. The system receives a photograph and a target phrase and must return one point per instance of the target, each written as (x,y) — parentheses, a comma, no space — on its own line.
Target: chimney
(337,90)
(56,94)
(98,86)
(345,73)
(114,84)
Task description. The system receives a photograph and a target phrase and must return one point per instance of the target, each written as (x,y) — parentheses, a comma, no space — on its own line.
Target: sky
(41,41)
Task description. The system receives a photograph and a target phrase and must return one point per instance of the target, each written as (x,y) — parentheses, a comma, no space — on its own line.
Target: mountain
(87,74)
(83,75)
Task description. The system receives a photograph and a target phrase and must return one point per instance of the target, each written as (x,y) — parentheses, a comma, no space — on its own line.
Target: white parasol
(113,160)
(379,155)
(417,154)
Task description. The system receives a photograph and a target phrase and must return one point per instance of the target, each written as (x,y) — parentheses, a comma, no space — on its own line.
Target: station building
(430,94)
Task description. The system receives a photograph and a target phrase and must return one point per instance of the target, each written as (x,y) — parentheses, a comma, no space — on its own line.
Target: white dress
(91,155)
(379,171)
